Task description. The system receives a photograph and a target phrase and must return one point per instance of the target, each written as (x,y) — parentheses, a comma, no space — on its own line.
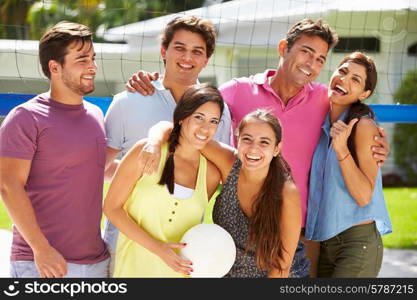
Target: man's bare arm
(14,173)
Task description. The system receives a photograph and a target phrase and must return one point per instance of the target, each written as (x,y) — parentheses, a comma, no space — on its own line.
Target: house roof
(236,19)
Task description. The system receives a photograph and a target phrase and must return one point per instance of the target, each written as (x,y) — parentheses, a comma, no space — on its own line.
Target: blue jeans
(111,233)
(300,267)
(27,269)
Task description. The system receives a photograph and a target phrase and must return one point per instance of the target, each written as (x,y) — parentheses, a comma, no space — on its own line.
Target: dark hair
(192,99)
(264,224)
(310,28)
(53,44)
(360,109)
(203,27)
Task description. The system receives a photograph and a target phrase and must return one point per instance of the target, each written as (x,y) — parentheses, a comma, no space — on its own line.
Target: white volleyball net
(248,32)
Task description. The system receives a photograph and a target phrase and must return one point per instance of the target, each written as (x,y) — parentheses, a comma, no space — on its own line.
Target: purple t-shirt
(301,120)
(67,146)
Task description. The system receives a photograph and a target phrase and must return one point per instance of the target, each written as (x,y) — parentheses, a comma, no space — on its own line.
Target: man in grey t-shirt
(186,46)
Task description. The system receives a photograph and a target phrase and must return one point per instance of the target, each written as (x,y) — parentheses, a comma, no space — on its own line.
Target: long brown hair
(360,109)
(264,223)
(192,99)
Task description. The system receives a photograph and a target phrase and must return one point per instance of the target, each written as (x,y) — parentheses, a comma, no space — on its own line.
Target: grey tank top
(228,214)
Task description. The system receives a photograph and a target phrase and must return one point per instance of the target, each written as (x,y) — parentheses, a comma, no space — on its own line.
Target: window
(350,44)
(412,50)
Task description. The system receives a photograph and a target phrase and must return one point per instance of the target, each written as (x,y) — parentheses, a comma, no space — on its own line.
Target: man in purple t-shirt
(52,157)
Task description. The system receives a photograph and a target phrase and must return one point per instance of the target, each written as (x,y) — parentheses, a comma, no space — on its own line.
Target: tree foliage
(405,135)
(29,19)
(13,14)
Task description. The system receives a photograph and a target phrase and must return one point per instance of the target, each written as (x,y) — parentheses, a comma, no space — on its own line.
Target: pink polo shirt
(301,119)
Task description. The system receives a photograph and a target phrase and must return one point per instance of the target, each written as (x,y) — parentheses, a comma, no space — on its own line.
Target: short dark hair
(53,44)
(203,27)
(312,28)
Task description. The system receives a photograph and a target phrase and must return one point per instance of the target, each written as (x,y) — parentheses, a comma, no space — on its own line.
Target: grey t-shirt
(130,116)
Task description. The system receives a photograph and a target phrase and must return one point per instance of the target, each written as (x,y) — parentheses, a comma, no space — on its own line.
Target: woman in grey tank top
(259,204)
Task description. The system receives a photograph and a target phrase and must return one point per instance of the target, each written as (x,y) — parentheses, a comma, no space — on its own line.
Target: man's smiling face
(303,62)
(185,56)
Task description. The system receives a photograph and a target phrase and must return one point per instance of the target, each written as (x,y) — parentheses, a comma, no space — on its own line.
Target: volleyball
(210,248)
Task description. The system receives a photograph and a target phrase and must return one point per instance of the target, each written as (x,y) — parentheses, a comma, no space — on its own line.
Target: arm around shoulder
(221,155)
(213,178)
(127,174)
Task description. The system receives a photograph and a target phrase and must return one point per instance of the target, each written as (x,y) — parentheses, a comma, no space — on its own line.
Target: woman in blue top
(346,207)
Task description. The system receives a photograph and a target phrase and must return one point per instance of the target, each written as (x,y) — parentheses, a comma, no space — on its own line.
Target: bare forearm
(275,273)
(110,170)
(120,219)
(290,228)
(285,262)
(358,185)
(359,177)
(111,162)
(23,215)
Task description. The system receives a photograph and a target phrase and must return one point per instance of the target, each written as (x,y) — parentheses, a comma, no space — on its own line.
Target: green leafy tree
(44,14)
(29,19)
(405,135)
(13,14)
(101,13)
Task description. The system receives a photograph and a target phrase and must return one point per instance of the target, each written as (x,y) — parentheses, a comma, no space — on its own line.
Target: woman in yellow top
(153,212)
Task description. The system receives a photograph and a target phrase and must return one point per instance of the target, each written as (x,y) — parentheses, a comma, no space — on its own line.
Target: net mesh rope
(248,33)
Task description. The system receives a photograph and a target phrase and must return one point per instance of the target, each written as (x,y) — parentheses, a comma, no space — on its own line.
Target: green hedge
(405,135)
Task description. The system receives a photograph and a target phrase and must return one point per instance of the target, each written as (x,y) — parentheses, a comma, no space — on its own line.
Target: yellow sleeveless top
(164,217)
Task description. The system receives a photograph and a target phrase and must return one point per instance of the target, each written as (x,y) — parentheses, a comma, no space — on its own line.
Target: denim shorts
(300,267)
(27,269)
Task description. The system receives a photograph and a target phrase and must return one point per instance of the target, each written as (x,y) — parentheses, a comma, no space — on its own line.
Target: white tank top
(182,192)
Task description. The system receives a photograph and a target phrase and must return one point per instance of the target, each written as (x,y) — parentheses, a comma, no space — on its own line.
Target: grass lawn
(402,207)
(5,222)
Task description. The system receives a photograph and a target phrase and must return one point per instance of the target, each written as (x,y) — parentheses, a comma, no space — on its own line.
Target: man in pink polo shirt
(288,92)
(300,104)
